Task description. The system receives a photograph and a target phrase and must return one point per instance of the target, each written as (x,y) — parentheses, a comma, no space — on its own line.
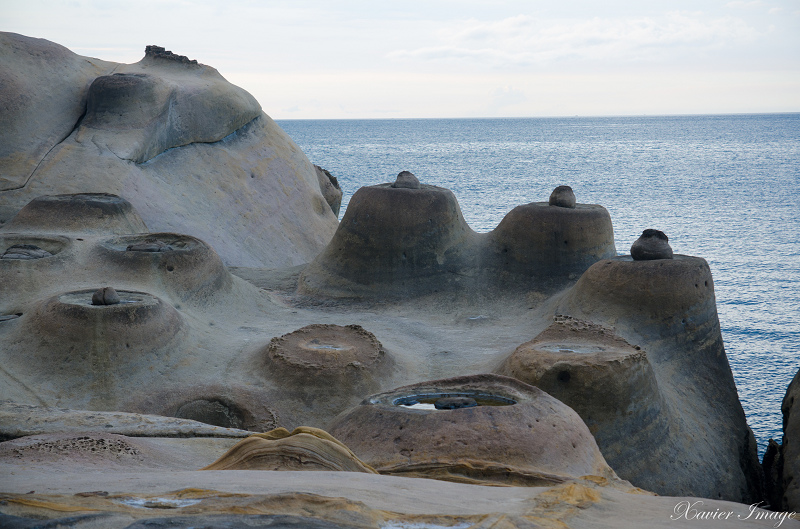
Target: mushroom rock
(563,197)
(515,435)
(81,213)
(326,368)
(669,305)
(548,242)
(88,354)
(190,151)
(652,244)
(330,188)
(394,241)
(610,384)
(188,268)
(305,448)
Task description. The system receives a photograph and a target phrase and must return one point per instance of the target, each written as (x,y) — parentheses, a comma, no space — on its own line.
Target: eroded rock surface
(192,152)
(515,435)
(302,449)
(612,386)
(667,306)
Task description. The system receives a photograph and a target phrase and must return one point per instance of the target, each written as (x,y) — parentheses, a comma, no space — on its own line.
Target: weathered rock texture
(330,188)
(21,420)
(516,435)
(393,240)
(83,213)
(612,386)
(407,239)
(550,242)
(668,307)
(190,151)
(652,244)
(785,464)
(303,449)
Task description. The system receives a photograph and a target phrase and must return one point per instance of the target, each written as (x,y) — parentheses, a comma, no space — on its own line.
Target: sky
(355,59)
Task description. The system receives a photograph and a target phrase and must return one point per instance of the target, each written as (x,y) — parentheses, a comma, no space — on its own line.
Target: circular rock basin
(188,266)
(70,329)
(451,401)
(330,356)
(487,429)
(78,213)
(19,247)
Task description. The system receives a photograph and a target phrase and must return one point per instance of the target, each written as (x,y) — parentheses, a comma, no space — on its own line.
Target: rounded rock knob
(105,296)
(563,197)
(652,244)
(406,179)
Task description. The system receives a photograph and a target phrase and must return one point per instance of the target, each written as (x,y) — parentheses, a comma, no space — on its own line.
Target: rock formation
(611,385)
(303,449)
(652,244)
(92,154)
(393,239)
(667,306)
(782,461)
(407,239)
(515,435)
(191,152)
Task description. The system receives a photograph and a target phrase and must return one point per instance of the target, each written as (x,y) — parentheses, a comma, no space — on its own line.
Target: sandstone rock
(652,244)
(21,420)
(392,241)
(563,197)
(329,186)
(186,267)
(105,296)
(89,368)
(550,243)
(43,96)
(611,385)
(191,152)
(24,252)
(303,449)
(231,405)
(668,307)
(788,469)
(517,435)
(406,180)
(82,213)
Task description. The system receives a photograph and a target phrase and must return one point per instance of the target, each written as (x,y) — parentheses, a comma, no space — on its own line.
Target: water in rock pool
(722,187)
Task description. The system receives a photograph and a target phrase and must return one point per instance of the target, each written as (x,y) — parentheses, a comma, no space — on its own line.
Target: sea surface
(722,187)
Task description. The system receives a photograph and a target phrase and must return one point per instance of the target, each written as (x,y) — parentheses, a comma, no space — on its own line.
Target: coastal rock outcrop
(652,244)
(192,152)
(407,239)
(516,434)
(303,449)
(782,461)
(668,306)
(81,213)
(393,240)
(550,241)
(611,385)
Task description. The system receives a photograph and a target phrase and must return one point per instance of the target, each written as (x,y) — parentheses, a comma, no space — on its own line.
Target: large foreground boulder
(191,152)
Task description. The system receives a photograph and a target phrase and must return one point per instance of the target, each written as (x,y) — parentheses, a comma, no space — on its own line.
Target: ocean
(722,187)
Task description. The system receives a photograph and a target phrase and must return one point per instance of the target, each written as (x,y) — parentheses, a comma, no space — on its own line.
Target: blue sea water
(722,187)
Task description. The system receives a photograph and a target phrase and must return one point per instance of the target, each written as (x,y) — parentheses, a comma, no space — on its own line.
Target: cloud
(507,96)
(525,40)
